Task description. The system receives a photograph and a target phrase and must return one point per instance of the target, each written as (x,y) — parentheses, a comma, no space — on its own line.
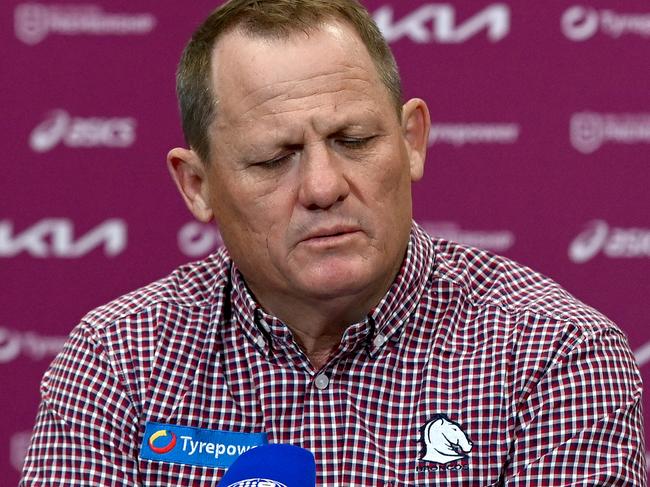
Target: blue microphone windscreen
(272,466)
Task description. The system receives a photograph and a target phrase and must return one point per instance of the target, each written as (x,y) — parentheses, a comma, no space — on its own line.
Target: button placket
(322,381)
(379,340)
(260,341)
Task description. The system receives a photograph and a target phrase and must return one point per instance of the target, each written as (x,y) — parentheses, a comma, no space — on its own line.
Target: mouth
(330,236)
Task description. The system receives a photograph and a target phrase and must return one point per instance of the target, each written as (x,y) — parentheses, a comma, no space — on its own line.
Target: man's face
(310,177)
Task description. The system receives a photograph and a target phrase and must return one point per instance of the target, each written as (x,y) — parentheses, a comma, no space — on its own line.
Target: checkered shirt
(529,386)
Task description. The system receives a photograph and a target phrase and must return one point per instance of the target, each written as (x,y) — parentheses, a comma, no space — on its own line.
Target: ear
(190,175)
(415,129)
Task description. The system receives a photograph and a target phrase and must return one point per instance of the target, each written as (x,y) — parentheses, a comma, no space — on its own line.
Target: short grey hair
(274,19)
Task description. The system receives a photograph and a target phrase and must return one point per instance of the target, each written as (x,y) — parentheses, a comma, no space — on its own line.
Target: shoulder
(491,281)
(162,328)
(193,286)
(507,312)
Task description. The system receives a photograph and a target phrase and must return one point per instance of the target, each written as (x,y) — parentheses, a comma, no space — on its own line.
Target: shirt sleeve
(582,423)
(86,424)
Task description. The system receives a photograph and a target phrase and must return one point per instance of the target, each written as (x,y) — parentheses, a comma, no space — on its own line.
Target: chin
(337,283)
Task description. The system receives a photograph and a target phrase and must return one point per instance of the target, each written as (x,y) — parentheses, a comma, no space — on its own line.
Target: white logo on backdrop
(37,347)
(493,240)
(579,23)
(582,23)
(199,239)
(18,446)
(642,354)
(589,131)
(436,22)
(474,133)
(33,22)
(54,237)
(257,482)
(76,132)
(615,243)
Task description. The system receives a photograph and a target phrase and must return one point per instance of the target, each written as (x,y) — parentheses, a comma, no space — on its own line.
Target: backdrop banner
(539,151)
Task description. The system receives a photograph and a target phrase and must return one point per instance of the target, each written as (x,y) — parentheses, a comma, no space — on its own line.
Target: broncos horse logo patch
(443,441)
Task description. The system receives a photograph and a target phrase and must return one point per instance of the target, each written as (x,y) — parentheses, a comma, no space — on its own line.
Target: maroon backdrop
(540,151)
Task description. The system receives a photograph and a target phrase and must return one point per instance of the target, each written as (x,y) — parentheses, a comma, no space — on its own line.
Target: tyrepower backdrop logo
(493,240)
(460,134)
(581,23)
(30,344)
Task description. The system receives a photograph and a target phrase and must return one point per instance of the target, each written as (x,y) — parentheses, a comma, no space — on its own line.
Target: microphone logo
(257,483)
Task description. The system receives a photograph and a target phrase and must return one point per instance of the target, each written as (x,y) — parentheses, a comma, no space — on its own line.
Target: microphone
(272,465)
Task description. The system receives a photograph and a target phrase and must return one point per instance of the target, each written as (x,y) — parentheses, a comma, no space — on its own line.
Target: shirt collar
(397,305)
(384,322)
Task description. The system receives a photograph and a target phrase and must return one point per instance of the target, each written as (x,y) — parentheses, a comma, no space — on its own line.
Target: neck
(318,325)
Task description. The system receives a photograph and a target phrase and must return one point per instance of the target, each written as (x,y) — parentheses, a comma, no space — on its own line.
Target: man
(331,321)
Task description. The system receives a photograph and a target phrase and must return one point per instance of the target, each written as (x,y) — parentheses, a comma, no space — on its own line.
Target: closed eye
(274,163)
(354,142)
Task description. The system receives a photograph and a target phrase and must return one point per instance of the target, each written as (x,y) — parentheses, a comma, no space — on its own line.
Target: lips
(329,234)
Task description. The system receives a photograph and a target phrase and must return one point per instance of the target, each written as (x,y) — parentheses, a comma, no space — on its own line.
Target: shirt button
(321,382)
(260,342)
(379,340)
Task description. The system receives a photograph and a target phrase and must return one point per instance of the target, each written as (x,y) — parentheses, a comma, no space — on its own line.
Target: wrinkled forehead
(247,69)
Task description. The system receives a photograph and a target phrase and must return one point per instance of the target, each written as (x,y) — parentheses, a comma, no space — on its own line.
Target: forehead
(253,75)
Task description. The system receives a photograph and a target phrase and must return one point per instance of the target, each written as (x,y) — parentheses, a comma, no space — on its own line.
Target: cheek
(254,216)
(391,206)
(391,184)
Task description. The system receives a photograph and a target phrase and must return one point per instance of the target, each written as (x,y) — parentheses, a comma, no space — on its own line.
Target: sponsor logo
(167,446)
(196,446)
(36,347)
(257,483)
(474,133)
(33,22)
(76,132)
(496,241)
(436,22)
(54,238)
(18,446)
(443,441)
(589,131)
(615,243)
(198,239)
(582,23)
(642,354)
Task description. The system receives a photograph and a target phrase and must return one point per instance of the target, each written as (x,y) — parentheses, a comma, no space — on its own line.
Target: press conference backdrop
(539,150)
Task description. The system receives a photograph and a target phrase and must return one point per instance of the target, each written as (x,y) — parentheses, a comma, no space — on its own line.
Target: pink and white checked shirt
(544,387)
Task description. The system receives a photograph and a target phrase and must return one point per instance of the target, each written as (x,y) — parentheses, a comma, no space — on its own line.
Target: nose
(323,182)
